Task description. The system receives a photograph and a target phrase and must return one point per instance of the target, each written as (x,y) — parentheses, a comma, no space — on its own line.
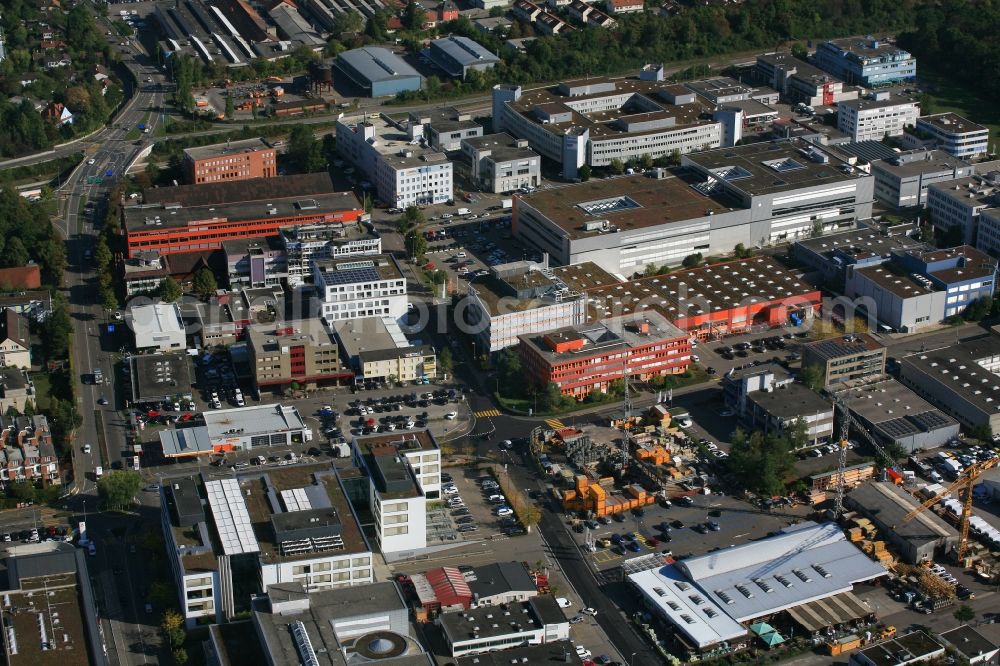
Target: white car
(592,612)
(451,415)
(563,602)
(504,511)
(86,449)
(91,161)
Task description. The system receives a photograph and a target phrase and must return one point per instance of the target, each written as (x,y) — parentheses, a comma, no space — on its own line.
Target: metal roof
(254,420)
(375,63)
(232,521)
(455,52)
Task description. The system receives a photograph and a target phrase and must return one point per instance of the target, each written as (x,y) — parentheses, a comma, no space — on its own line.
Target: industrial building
(372,286)
(916,289)
(590,357)
(232,538)
(830,255)
(303,352)
(916,647)
(596,120)
(378,71)
(456,56)
(903,180)
(951,133)
(537,621)
(500,163)
(963,379)
(866,61)
(968,208)
(848,359)
(877,116)
(971,645)
(237,429)
(159,378)
(396,159)
(157,327)
(404,473)
(893,414)
(375,348)
(886,504)
(198,218)
(230,161)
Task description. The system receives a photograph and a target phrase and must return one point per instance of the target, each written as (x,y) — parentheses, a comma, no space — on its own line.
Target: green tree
(616,166)
(204,283)
(109,300)
(585,172)
(761,462)
(118,488)
(180,656)
(550,398)
(817,229)
(304,152)
(978,309)
(416,244)
(56,330)
(445,361)
(169,290)
(172,628)
(413,216)
(15,254)
(983,432)
(742,252)
(21,491)
(926,232)
(964,613)
(646,161)
(510,374)
(102,254)
(347,22)
(692,260)
(800,51)
(812,376)
(414,17)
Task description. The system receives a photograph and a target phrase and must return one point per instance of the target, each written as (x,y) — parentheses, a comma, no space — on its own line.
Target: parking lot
(474,505)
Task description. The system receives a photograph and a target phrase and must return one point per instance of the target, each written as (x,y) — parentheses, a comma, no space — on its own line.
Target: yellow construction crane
(966,480)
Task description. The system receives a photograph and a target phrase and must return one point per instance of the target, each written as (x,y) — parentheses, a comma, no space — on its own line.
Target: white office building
(396,159)
(877,116)
(157,327)
(969,208)
(304,243)
(360,287)
(951,133)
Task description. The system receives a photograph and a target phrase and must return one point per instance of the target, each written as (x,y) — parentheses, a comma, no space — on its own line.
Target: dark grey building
(378,71)
(456,55)
(892,413)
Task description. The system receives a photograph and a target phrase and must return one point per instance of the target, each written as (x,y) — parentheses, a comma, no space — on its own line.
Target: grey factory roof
(501,578)
(957,367)
(294,27)
(859,244)
(920,161)
(253,420)
(968,641)
(895,410)
(546,653)
(224,149)
(790,401)
(185,441)
(490,621)
(802,563)
(343,602)
(503,147)
(917,646)
(157,377)
(456,52)
(867,151)
(889,504)
(831,348)
(255,189)
(375,64)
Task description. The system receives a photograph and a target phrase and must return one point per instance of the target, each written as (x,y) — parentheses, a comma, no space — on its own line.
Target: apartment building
(302,351)
(395,158)
(324,241)
(590,357)
(866,61)
(500,163)
(27,452)
(851,358)
(233,160)
(951,133)
(877,116)
(15,340)
(372,286)
(404,473)
(968,209)
(903,181)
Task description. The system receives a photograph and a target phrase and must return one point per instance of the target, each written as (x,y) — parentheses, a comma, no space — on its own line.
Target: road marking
(555,424)
(487,412)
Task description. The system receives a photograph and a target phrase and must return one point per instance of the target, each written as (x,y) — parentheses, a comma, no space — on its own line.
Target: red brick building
(234,160)
(199,218)
(589,357)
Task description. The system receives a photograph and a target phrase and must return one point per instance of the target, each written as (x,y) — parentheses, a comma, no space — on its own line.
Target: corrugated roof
(375,63)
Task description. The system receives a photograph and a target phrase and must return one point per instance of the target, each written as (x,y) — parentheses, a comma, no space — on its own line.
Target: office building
(866,61)
(877,116)
(830,255)
(851,358)
(918,540)
(158,378)
(302,352)
(237,429)
(500,163)
(325,241)
(394,157)
(50,611)
(404,473)
(198,218)
(375,349)
(895,415)
(446,128)
(968,209)
(962,379)
(15,340)
(596,120)
(487,629)
(456,56)
(951,133)
(799,82)
(372,286)
(233,160)
(742,119)
(520,299)
(230,539)
(903,181)
(590,357)
(255,262)
(157,327)
(378,71)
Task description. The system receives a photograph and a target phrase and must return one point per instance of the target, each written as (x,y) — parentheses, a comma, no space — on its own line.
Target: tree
(117,488)
(102,255)
(510,374)
(15,254)
(646,161)
(978,309)
(692,260)
(413,216)
(347,22)
(204,283)
(800,51)
(56,330)
(416,244)
(761,462)
(550,398)
(109,300)
(172,628)
(742,252)
(21,491)
(304,152)
(169,290)
(817,230)
(812,376)
(414,17)
(926,232)
(180,656)
(585,172)
(616,166)
(982,432)
(964,613)
(445,361)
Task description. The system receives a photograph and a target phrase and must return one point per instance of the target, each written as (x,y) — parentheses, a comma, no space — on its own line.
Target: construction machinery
(966,481)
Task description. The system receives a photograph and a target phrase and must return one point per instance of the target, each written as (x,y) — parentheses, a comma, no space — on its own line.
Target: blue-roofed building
(456,55)
(866,61)
(379,71)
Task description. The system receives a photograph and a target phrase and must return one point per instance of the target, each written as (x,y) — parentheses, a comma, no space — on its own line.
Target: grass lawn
(948,95)
(43,388)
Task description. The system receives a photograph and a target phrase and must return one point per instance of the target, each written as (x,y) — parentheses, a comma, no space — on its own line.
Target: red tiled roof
(22,277)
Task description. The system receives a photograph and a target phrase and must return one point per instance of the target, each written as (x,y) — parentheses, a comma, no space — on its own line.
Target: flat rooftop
(548,653)
(959,367)
(254,189)
(627,202)
(702,290)
(838,347)
(968,192)
(404,442)
(771,167)
(878,102)
(271,338)
(156,318)
(720,86)
(889,504)
(366,334)
(447,119)
(325,505)
(968,641)
(585,276)
(860,244)
(226,149)
(603,337)
(866,47)
(791,401)
(393,143)
(897,282)
(896,410)
(491,621)
(919,162)
(353,270)
(951,123)
(156,377)
(503,147)
(253,420)
(917,644)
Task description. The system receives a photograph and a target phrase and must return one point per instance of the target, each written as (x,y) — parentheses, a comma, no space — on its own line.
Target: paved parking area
(476,506)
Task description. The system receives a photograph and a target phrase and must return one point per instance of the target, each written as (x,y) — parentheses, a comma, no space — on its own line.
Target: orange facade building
(233,160)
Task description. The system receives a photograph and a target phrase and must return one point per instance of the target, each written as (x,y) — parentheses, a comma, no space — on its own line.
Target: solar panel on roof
(350,276)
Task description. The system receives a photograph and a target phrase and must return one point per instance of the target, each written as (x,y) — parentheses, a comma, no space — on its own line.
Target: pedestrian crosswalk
(555,424)
(487,412)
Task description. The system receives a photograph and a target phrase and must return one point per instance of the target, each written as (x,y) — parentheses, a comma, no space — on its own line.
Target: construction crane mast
(845,427)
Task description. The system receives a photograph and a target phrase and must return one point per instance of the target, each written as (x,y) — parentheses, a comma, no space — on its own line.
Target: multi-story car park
(349,288)
(501,163)
(755,194)
(877,116)
(403,473)
(903,181)
(239,429)
(303,351)
(589,357)
(395,157)
(235,160)
(288,526)
(594,121)
(951,133)
(302,243)
(968,208)
(866,61)
(198,218)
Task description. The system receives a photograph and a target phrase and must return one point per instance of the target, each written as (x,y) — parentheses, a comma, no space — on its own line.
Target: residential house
(15,341)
